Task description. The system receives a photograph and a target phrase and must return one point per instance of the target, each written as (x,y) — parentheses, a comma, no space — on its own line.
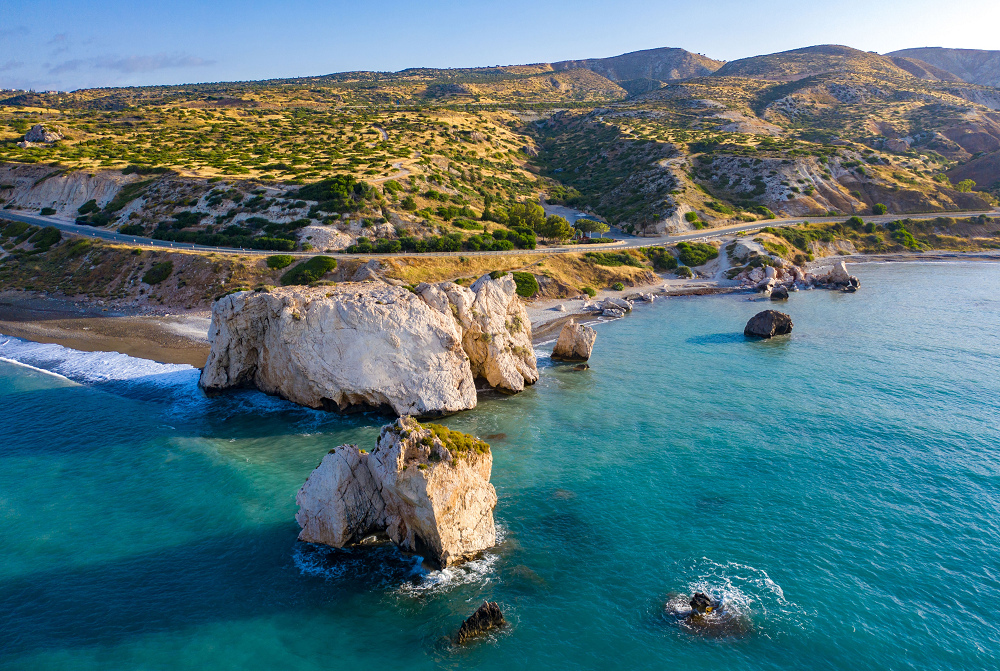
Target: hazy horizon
(139,44)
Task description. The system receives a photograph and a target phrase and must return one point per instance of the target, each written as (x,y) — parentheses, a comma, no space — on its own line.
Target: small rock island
(425,486)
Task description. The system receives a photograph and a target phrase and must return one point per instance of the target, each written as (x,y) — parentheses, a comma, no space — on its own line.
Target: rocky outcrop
(487,617)
(39,133)
(779,293)
(363,345)
(768,324)
(426,487)
(576,342)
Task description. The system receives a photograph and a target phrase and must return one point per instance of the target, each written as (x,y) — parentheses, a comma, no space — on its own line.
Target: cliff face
(368,344)
(427,488)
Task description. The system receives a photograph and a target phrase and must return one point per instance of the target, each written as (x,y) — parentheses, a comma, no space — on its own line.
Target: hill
(975,66)
(648,69)
(796,64)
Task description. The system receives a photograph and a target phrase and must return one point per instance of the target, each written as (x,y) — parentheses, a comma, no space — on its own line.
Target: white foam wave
(477,571)
(93,367)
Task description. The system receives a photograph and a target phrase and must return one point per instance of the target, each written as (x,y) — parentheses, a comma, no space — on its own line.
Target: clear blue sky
(69,44)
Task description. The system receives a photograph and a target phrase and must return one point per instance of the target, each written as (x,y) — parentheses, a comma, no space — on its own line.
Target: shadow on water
(716,339)
(216,579)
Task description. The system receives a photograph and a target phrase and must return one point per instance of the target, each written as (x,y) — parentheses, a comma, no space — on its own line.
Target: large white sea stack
(360,345)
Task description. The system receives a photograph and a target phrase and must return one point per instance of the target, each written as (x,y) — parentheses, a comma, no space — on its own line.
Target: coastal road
(631,242)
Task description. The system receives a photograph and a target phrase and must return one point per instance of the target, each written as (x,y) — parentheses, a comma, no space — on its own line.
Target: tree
(879,208)
(528,215)
(591,226)
(966,186)
(556,228)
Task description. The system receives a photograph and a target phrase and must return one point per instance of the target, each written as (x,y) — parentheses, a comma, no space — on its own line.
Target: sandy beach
(168,338)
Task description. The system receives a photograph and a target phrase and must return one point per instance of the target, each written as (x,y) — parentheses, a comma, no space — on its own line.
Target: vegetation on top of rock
(458,443)
(696,253)
(158,272)
(309,271)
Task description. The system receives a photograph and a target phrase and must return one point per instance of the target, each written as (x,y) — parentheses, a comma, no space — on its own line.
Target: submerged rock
(575,343)
(426,487)
(487,617)
(357,346)
(768,324)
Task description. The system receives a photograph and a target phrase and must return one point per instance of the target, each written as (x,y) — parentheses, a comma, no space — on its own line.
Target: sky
(70,44)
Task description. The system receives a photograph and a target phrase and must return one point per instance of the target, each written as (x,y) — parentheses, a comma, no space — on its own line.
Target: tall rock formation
(576,342)
(427,487)
(368,344)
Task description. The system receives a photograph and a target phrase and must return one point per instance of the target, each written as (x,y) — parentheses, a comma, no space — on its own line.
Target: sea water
(840,488)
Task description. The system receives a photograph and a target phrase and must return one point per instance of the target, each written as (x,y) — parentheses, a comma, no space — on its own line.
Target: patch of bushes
(132,229)
(309,271)
(158,272)
(279,261)
(45,238)
(696,253)
(618,286)
(47,211)
(613,259)
(589,291)
(879,208)
(527,285)
(661,258)
(684,272)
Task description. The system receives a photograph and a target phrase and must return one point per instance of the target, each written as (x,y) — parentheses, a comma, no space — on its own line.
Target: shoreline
(183,338)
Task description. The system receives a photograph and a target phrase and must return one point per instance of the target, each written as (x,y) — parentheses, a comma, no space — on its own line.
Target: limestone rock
(488,616)
(38,133)
(373,345)
(576,342)
(368,271)
(427,488)
(779,293)
(839,274)
(768,324)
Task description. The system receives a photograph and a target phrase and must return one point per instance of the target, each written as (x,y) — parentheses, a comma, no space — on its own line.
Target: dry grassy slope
(83,269)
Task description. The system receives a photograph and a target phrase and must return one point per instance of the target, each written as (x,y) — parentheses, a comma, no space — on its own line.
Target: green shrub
(684,272)
(589,291)
(696,253)
(132,229)
(879,208)
(45,238)
(618,286)
(279,261)
(47,211)
(661,257)
(158,272)
(612,259)
(720,207)
(309,271)
(691,217)
(88,207)
(527,285)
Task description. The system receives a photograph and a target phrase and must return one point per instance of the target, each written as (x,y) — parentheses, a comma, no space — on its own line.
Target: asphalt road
(629,242)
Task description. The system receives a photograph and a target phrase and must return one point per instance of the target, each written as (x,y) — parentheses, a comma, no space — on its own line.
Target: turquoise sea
(839,487)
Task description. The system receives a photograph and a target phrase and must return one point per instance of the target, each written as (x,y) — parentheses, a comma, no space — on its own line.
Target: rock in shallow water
(488,616)
(356,346)
(428,488)
(575,343)
(768,324)
(779,293)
